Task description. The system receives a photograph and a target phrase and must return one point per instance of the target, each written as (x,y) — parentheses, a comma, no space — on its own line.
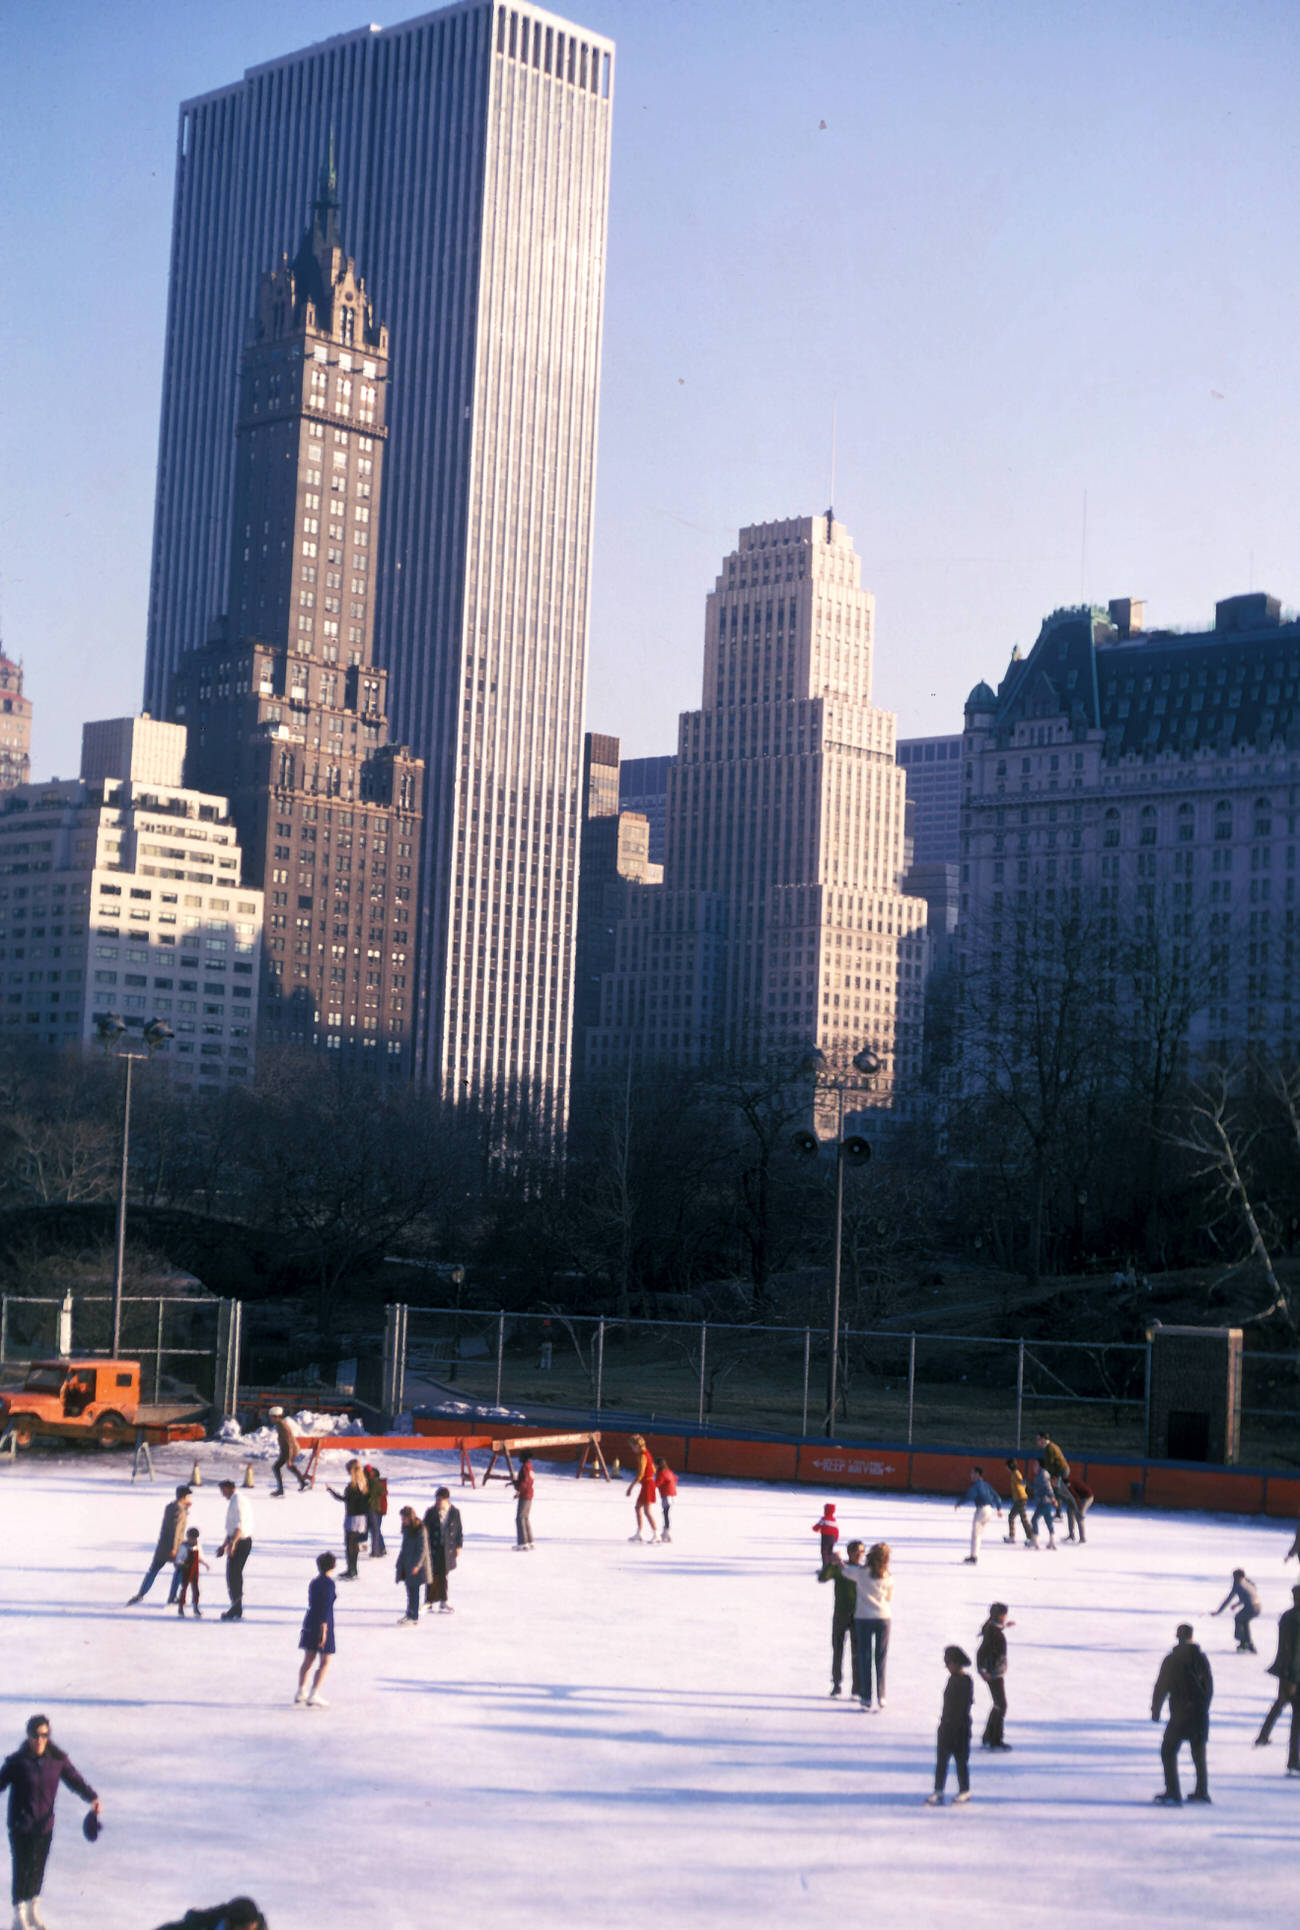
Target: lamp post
(852,1150)
(111,1027)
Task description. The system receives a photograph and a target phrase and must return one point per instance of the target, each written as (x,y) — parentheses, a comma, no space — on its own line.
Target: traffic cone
(248,1475)
(196,1479)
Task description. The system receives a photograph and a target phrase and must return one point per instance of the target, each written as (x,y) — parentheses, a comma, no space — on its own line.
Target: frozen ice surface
(606,1734)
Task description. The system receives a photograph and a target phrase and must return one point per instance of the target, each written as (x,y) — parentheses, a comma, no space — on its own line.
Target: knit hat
(829,1509)
(91,1827)
(956,1656)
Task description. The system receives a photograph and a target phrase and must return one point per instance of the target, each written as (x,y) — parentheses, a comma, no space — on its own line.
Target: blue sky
(1036,253)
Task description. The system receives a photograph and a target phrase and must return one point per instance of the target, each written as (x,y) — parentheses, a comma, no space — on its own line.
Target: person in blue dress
(317,1638)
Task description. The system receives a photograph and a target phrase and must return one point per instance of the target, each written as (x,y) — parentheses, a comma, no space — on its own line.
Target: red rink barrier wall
(832,1464)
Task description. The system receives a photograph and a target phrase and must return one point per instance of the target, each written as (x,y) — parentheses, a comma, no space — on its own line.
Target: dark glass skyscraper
(472,150)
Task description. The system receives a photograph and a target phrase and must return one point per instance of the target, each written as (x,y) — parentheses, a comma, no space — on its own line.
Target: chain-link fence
(1270,1410)
(927,1390)
(174,1337)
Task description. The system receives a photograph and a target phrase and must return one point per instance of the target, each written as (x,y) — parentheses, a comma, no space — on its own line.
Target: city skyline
(1088,302)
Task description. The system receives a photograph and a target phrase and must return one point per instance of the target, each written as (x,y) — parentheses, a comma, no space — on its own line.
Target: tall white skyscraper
(472,151)
(781,923)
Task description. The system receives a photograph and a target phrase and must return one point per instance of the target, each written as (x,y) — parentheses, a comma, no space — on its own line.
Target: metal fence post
(4,1326)
(911,1385)
(225,1392)
(157,1356)
(1020,1390)
(501,1348)
(704,1342)
(1146,1406)
(807,1356)
(600,1360)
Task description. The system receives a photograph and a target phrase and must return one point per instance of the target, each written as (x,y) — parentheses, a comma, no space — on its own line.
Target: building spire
(325,208)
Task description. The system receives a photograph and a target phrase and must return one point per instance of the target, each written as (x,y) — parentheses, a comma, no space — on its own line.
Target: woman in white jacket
(871,1621)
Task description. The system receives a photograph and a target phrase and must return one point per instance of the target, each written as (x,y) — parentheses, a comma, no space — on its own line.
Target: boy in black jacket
(846,1607)
(954,1728)
(991,1662)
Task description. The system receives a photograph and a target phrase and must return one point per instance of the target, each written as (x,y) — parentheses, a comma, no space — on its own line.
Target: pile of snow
(261,1441)
(476,1410)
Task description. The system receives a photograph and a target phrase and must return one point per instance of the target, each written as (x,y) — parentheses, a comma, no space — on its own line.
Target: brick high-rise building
(15,726)
(473,147)
(285,706)
(781,924)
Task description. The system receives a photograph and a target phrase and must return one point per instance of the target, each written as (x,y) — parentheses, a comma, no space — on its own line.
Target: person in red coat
(32,1776)
(829,1530)
(666,1487)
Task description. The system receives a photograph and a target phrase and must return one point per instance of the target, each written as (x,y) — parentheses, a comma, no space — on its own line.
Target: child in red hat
(829,1530)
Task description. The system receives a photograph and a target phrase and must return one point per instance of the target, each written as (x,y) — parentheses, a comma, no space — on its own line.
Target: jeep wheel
(24,1428)
(111,1431)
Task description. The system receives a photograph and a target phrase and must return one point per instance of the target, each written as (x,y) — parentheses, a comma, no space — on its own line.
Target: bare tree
(1222,1144)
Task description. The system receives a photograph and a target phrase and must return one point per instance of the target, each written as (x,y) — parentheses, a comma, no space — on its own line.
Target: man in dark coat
(446,1539)
(176,1516)
(1286,1667)
(32,1776)
(1186,1680)
(241,1913)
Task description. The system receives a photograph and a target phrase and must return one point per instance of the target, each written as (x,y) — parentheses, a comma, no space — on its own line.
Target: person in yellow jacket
(1016,1512)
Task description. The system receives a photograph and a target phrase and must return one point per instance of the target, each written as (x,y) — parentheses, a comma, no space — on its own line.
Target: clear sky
(1027,254)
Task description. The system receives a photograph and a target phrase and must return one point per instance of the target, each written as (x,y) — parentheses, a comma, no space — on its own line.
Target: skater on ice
(1246,1596)
(842,1618)
(356,1512)
(954,1728)
(991,1664)
(376,1509)
(188,1564)
(32,1776)
(316,1639)
(1016,1510)
(1058,1469)
(241,1913)
(872,1621)
(1044,1506)
(829,1530)
(984,1500)
(237,1546)
(170,1536)
(1286,1667)
(666,1489)
(446,1539)
(1185,1680)
(523,1486)
(1083,1497)
(414,1566)
(286,1435)
(644,1482)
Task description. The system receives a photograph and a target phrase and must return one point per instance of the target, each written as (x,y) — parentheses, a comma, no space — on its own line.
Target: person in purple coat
(32,1776)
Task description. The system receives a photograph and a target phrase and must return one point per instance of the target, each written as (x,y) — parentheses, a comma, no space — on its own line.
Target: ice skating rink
(606,1734)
